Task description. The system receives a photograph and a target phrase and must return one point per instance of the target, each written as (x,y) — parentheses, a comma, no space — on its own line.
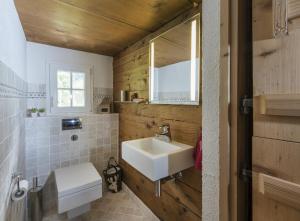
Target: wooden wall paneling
(277,66)
(268,209)
(280,190)
(276,146)
(170,205)
(224,111)
(276,71)
(263,17)
(279,159)
(283,128)
(180,200)
(293,15)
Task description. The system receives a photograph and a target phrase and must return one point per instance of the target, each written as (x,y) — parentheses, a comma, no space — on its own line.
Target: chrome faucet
(164,132)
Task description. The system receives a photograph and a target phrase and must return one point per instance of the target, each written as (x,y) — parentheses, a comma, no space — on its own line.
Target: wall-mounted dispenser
(71,124)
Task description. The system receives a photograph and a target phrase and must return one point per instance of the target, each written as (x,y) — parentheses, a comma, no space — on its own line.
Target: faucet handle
(164,125)
(164,128)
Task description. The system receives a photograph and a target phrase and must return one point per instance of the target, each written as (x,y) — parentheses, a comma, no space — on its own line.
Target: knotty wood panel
(276,147)
(263,16)
(276,70)
(177,201)
(262,19)
(180,200)
(279,159)
(104,27)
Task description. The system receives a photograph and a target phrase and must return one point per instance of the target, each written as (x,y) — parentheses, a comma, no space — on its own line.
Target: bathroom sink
(157,159)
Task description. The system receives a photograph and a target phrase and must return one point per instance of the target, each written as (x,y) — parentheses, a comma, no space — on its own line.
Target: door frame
(240,125)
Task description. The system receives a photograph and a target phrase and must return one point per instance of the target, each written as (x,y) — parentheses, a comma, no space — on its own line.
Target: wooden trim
(240,85)
(293,9)
(279,104)
(224,120)
(280,190)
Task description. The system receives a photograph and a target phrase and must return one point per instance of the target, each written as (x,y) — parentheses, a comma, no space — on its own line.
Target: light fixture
(152,71)
(193,59)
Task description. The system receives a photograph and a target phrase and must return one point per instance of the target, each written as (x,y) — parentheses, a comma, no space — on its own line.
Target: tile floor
(122,206)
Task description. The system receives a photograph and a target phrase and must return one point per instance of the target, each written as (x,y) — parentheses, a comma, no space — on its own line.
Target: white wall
(12,39)
(214,105)
(210,109)
(38,55)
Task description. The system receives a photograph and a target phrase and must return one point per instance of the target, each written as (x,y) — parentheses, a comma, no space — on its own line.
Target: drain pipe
(172,177)
(157,188)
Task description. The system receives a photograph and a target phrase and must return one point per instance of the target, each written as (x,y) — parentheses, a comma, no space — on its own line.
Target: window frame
(53,88)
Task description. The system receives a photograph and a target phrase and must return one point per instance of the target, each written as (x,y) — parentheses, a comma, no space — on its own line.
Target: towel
(198,153)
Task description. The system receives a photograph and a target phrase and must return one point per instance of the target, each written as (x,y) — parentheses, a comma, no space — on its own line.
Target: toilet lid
(73,179)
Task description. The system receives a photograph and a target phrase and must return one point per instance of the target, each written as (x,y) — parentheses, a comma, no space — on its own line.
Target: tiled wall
(37,96)
(99,94)
(12,111)
(48,147)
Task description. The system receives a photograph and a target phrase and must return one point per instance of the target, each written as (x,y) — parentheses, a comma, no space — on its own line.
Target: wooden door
(276,115)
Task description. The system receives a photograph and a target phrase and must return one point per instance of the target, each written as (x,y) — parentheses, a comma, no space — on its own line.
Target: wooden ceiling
(98,26)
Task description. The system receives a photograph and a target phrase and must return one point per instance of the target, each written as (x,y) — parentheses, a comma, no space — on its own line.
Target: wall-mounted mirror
(175,65)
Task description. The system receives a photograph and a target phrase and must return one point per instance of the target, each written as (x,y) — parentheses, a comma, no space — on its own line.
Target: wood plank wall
(275,150)
(180,199)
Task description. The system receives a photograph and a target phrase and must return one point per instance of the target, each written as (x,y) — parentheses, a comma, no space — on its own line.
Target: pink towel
(198,153)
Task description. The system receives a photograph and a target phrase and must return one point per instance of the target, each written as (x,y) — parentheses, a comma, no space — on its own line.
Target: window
(69,89)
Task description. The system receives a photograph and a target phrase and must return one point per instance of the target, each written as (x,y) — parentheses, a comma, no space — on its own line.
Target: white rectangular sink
(157,159)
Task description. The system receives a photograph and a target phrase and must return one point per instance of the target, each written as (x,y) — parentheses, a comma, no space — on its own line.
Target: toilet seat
(77,186)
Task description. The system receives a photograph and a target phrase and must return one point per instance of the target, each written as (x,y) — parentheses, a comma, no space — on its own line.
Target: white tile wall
(49,148)
(99,94)
(12,112)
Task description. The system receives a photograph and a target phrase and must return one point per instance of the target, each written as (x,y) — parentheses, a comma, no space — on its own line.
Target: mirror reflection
(175,65)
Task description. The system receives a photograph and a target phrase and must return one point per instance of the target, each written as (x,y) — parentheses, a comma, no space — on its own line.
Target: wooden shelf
(131,102)
(280,190)
(125,102)
(280,104)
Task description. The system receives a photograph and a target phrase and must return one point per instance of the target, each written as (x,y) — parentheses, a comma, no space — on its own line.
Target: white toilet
(77,186)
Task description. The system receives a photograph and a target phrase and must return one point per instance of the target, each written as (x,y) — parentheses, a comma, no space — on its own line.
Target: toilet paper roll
(17,196)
